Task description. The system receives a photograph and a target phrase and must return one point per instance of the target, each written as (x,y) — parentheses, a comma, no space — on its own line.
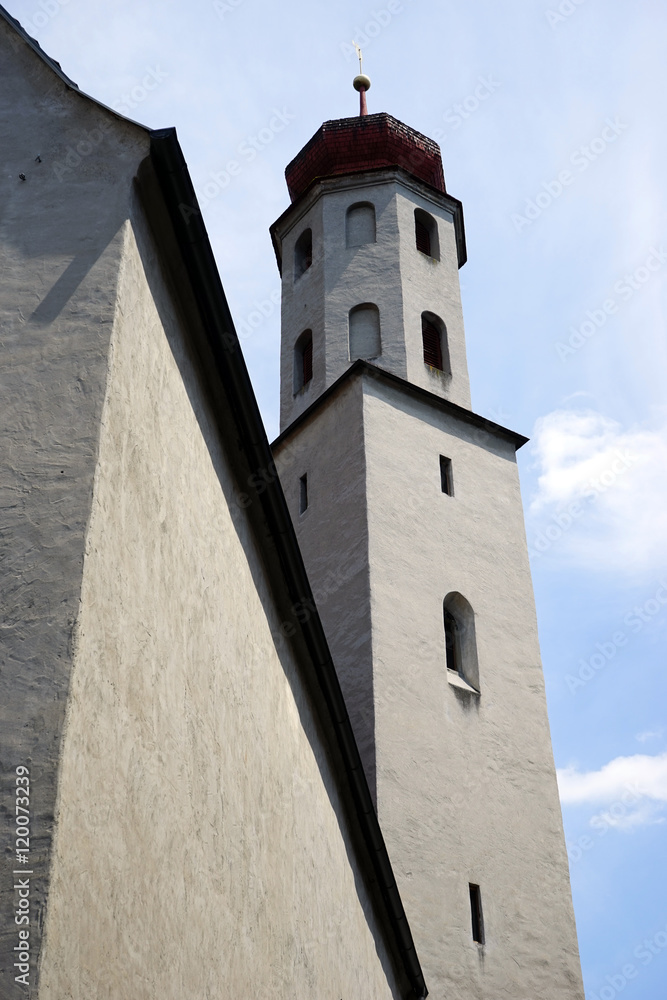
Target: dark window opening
(446,480)
(423,238)
(452,644)
(476,913)
(460,642)
(308,361)
(303,494)
(303,360)
(303,253)
(426,234)
(432,345)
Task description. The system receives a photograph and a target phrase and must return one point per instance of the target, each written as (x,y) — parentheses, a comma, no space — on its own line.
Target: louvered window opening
(432,345)
(423,238)
(307,361)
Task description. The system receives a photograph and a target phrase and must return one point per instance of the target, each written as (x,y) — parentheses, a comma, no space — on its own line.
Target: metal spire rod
(362,84)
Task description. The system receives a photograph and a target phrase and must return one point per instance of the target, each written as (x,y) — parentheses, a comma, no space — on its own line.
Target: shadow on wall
(164,288)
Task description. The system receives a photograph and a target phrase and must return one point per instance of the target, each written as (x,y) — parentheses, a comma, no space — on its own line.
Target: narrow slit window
(446,480)
(303,360)
(303,494)
(476,913)
(307,361)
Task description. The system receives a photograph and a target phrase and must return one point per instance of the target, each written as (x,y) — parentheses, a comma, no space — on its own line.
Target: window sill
(457,681)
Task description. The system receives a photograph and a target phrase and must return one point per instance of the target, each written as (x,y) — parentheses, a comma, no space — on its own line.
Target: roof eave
(185,217)
(452,204)
(57,69)
(375,371)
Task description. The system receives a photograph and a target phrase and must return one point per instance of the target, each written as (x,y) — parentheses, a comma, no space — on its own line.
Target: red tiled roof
(353,145)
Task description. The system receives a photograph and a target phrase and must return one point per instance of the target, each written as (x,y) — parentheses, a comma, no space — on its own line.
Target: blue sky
(550,117)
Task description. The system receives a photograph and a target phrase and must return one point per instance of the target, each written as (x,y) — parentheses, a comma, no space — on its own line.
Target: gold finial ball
(361,82)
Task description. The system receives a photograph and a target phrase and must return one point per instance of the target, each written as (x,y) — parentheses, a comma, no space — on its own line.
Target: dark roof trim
(181,203)
(361,367)
(452,205)
(56,68)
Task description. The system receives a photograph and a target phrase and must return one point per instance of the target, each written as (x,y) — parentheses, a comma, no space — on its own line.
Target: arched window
(426,234)
(460,644)
(303,253)
(434,340)
(364,332)
(303,360)
(360,224)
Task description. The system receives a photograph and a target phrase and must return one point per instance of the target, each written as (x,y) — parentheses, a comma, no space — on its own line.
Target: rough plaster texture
(336,551)
(466,787)
(60,243)
(391,273)
(199,848)
(466,784)
(431,286)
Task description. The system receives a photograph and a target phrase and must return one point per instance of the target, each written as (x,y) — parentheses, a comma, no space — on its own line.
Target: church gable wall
(61,218)
(200,849)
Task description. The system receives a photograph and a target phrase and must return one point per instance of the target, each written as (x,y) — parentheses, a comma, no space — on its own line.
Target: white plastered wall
(466,783)
(433,286)
(390,273)
(199,847)
(466,786)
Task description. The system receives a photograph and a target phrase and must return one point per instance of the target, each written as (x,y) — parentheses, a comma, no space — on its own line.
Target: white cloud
(633,790)
(600,492)
(649,734)
(623,817)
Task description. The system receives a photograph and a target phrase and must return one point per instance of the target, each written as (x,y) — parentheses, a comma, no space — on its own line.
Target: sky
(550,116)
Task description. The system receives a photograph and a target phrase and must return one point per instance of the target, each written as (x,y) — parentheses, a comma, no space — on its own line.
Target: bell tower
(408,512)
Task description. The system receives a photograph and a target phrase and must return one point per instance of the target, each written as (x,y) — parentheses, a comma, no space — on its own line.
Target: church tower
(408,512)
